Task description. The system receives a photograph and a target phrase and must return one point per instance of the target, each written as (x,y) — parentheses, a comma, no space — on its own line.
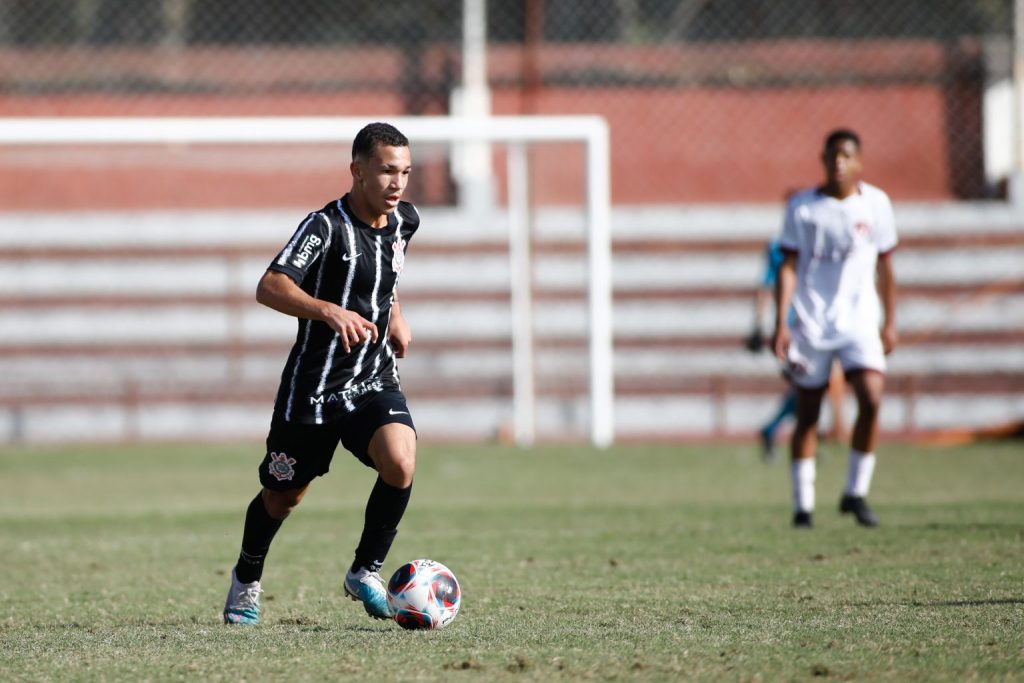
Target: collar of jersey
(358,223)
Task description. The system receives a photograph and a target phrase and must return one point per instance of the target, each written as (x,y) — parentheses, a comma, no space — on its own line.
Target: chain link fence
(709,101)
(127,270)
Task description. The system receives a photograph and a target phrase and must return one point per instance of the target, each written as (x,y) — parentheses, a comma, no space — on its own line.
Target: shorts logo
(365,387)
(281,466)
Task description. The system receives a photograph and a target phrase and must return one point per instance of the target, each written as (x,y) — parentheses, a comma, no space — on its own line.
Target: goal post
(514,131)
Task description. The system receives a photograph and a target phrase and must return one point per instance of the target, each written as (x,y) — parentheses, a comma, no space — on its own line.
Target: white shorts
(809,367)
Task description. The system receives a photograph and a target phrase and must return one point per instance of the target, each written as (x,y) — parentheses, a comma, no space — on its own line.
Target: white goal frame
(514,131)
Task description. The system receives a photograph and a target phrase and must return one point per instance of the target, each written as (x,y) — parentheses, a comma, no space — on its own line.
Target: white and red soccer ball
(424,594)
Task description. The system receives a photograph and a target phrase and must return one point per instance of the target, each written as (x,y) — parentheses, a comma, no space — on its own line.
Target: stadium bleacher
(127,325)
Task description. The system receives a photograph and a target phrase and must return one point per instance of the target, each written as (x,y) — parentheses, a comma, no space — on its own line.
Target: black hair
(374,134)
(841,135)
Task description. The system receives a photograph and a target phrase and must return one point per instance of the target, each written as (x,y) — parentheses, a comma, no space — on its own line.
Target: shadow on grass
(316,625)
(302,624)
(965,526)
(969,603)
(941,603)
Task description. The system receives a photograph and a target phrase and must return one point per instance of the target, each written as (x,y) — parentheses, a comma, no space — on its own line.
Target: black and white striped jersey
(336,257)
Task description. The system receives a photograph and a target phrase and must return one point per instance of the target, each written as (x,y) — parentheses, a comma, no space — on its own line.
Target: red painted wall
(699,141)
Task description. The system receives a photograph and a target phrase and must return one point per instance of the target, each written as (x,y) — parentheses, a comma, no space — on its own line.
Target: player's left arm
(399,334)
(887,293)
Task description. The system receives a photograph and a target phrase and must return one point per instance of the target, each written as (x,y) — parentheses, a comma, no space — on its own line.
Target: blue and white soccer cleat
(367,587)
(243,604)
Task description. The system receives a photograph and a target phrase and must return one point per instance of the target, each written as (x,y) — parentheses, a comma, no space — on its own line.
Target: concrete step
(144,325)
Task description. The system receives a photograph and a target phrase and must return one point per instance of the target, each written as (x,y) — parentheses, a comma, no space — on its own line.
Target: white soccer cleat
(243,604)
(367,587)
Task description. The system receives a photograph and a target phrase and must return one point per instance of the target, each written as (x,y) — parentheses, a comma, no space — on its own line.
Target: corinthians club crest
(398,260)
(280,466)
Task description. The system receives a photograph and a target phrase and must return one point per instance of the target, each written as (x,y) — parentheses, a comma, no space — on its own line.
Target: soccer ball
(424,594)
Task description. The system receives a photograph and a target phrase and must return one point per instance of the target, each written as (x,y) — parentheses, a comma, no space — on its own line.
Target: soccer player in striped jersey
(338,275)
(837,242)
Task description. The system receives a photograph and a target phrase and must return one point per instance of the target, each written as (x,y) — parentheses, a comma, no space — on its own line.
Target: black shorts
(297,452)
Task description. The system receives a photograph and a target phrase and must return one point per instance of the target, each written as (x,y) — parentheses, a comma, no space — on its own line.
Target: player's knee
(869,399)
(869,403)
(393,452)
(807,414)
(807,420)
(398,467)
(279,504)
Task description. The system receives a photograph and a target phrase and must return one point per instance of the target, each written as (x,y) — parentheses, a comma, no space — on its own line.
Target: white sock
(803,472)
(858,477)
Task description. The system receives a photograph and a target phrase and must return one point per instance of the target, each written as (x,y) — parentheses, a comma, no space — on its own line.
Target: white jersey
(838,242)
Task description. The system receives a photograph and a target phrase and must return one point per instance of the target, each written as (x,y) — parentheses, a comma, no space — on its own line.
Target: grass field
(639,563)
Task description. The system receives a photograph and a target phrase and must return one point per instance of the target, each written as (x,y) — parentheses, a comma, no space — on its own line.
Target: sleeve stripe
(287,252)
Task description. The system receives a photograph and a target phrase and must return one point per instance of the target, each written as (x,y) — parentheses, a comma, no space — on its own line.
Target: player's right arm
(278,291)
(785,285)
(789,245)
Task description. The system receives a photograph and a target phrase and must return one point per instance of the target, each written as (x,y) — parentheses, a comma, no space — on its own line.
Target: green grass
(639,563)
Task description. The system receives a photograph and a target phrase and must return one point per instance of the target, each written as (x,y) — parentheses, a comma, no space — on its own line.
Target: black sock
(259,531)
(384,511)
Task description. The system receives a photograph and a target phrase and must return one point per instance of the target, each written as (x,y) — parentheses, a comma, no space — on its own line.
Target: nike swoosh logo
(349,257)
(392,411)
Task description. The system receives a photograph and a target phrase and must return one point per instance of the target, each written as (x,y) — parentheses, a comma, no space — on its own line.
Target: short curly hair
(841,135)
(374,134)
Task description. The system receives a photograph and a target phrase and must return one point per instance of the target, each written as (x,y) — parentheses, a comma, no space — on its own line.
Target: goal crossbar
(295,129)
(591,131)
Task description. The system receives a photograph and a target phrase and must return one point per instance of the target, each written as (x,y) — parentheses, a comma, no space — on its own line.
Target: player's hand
(400,336)
(351,327)
(890,338)
(400,343)
(780,343)
(755,342)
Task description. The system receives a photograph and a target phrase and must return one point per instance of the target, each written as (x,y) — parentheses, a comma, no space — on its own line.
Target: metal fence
(708,100)
(139,322)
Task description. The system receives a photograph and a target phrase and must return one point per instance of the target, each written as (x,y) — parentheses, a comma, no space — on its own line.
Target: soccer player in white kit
(837,275)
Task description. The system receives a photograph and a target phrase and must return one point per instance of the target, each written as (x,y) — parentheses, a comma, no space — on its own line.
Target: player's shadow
(361,629)
(322,628)
(308,625)
(970,526)
(969,603)
(941,603)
